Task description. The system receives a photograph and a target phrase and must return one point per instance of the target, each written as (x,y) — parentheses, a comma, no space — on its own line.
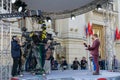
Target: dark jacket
(75,65)
(95,48)
(15,49)
(83,63)
(64,63)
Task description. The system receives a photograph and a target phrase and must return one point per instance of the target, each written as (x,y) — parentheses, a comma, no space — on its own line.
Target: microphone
(85,45)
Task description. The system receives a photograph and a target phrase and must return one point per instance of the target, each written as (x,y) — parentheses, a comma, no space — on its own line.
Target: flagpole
(89,64)
(88,33)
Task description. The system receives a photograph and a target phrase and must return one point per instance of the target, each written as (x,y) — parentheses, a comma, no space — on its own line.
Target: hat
(13,37)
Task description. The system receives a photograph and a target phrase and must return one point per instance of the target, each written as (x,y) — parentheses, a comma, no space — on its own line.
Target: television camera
(32,44)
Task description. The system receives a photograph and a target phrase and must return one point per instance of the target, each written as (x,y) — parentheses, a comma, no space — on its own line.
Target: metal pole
(89,64)
(7,5)
(10,35)
(10,6)
(2,5)
(1,51)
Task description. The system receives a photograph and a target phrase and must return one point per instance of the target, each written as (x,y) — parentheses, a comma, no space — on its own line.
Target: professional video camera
(53,43)
(36,36)
(35,42)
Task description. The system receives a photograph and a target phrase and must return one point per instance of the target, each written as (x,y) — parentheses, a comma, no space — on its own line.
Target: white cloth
(47,66)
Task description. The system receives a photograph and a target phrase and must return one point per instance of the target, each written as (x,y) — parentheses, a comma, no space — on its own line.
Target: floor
(82,75)
(71,75)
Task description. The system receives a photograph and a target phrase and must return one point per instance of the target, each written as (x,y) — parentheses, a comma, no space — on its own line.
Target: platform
(82,75)
(72,75)
(28,76)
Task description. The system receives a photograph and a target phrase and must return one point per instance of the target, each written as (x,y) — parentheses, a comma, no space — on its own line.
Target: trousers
(96,61)
(15,66)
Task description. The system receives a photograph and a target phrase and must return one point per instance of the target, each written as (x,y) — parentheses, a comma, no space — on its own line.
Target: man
(75,64)
(47,66)
(83,63)
(64,64)
(114,63)
(94,49)
(15,52)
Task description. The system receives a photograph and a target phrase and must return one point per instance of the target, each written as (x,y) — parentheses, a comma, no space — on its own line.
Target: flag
(90,31)
(119,35)
(116,34)
(86,31)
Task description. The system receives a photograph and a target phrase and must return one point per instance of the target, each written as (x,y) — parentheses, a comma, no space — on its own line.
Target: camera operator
(15,53)
(47,66)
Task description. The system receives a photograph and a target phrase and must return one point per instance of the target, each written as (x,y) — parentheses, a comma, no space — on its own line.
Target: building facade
(104,22)
(71,33)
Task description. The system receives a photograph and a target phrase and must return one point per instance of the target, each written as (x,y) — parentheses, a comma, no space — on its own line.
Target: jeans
(15,66)
(94,66)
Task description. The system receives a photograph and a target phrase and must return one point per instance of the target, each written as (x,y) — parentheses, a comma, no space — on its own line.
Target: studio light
(13,1)
(20,6)
(20,9)
(99,7)
(23,7)
(72,17)
(48,19)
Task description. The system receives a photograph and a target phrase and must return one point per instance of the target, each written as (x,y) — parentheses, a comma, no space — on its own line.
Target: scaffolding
(5,42)
(5,53)
(109,36)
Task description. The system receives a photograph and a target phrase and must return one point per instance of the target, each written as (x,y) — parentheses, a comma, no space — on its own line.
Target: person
(103,64)
(20,63)
(100,62)
(54,65)
(47,65)
(92,60)
(83,63)
(93,66)
(15,53)
(75,64)
(114,63)
(106,63)
(94,49)
(64,64)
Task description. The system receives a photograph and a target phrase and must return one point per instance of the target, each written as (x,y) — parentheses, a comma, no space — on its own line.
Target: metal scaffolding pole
(5,53)
(109,37)
(5,42)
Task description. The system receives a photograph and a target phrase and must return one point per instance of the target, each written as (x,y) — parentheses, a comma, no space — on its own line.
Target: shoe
(95,73)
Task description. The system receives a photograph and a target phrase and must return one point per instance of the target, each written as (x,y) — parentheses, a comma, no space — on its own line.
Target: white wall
(73,40)
(78,23)
(62,27)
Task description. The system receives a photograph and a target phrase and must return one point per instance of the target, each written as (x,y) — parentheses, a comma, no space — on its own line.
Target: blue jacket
(15,49)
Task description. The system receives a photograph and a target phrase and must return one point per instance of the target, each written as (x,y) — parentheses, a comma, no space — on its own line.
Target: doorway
(99,29)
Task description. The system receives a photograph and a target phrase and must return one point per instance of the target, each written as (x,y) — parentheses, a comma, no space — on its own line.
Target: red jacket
(95,48)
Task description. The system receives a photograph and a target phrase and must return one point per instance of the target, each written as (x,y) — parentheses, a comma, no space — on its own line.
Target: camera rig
(34,48)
